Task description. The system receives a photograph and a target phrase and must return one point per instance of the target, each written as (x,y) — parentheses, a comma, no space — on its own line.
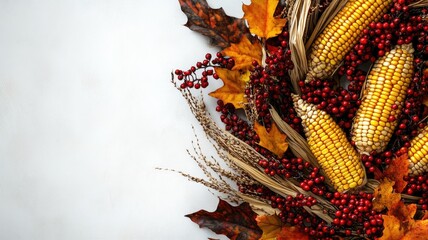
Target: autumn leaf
(260,17)
(274,140)
(397,170)
(419,231)
(425,215)
(233,90)
(234,222)
(399,221)
(244,53)
(292,233)
(274,229)
(392,228)
(213,23)
(384,196)
(270,225)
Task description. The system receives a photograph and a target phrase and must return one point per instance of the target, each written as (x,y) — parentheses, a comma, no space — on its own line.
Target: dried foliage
(261,20)
(234,222)
(213,23)
(234,86)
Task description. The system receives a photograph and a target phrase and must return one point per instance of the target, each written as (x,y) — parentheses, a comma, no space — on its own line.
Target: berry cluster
(270,84)
(355,213)
(197,76)
(418,186)
(338,102)
(376,161)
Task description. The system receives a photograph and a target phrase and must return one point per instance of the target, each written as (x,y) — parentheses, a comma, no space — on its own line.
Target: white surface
(87,112)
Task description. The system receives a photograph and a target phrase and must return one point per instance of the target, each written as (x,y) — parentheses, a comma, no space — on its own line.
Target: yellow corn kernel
(418,159)
(371,116)
(341,34)
(336,156)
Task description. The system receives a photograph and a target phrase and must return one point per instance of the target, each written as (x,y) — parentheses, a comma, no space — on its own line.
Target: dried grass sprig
(297,28)
(239,155)
(419,4)
(298,145)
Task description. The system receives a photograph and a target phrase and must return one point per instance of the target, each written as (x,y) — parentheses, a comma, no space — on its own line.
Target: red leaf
(213,23)
(234,222)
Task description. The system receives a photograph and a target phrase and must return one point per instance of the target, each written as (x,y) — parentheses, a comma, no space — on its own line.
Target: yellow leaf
(384,196)
(244,53)
(273,141)
(270,225)
(233,90)
(260,17)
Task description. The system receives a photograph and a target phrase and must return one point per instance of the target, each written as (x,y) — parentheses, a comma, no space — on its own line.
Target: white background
(87,112)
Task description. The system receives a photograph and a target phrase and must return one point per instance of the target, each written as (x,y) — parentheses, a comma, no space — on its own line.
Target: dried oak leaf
(244,53)
(270,225)
(234,222)
(213,23)
(260,17)
(274,140)
(233,90)
(397,170)
(384,195)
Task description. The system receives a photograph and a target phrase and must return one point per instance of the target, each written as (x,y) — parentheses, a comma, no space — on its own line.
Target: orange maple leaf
(274,140)
(244,53)
(292,233)
(419,231)
(384,196)
(270,225)
(392,228)
(274,229)
(397,170)
(233,90)
(260,17)
(399,223)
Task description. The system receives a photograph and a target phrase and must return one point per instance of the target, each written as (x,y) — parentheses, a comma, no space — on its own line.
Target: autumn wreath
(324,112)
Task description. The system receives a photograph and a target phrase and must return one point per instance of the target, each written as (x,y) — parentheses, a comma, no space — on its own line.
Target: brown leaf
(244,53)
(213,23)
(260,17)
(234,222)
(270,225)
(233,90)
(292,233)
(274,140)
(397,170)
(384,196)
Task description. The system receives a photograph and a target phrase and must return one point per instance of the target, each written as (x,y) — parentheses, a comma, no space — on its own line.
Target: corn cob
(382,100)
(328,143)
(341,34)
(418,153)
